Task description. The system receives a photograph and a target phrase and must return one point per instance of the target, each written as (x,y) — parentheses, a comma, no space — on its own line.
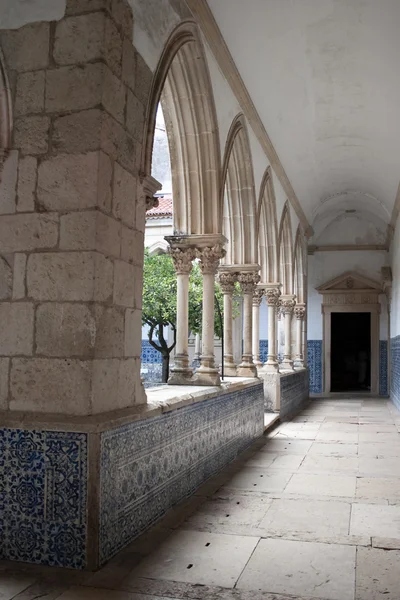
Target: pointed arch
(268,230)
(300,267)
(182,84)
(238,199)
(285,245)
(5,107)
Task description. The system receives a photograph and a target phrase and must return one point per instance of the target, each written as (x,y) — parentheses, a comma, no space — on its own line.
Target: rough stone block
(5,280)
(64,330)
(62,276)
(133,333)
(109,332)
(130,390)
(28,231)
(27,48)
(79,39)
(122,14)
(27,176)
(16,326)
(104,182)
(31,134)
(78,132)
(118,143)
(143,79)
(128,64)
(113,47)
(8,182)
(140,218)
(108,235)
(138,272)
(4,370)
(124,284)
(104,385)
(50,385)
(104,278)
(30,93)
(19,285)
(74,7)
(134,116)
(78,231)
(68,181)
(124,196)
(132,245)
(74,88)
(114,95)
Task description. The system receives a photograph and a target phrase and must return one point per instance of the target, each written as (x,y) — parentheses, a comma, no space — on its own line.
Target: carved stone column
(207,373)
(181,372)
(272,295)
(299,313)
(227,281)
(257,299)
(287,305)
(248,281)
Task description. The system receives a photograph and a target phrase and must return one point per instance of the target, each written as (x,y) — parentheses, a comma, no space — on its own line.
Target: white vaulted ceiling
(324,76)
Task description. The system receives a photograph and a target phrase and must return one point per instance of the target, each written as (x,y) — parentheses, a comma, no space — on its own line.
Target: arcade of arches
(89,460)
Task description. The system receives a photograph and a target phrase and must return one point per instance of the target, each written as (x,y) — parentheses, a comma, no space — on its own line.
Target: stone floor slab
(288,446)
(378,574)
(378,487)
(322,485)
(375,520)
(259,480)
(301,568)
(332,449)
(88,593)
(329,464)
(13,584)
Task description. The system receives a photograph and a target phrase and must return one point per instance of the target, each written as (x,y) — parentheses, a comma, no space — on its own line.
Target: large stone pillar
(299,313)
(257,299)
(227,281)
(287,305)
(181,372)
(248,280)
(207,373)
(272,295)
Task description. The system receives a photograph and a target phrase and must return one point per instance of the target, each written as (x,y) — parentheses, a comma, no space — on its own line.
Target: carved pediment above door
(350,288)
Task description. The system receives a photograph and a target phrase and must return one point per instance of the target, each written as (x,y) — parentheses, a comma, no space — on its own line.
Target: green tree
(159,303)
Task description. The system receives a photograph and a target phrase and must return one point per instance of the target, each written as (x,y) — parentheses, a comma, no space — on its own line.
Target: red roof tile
(164,208)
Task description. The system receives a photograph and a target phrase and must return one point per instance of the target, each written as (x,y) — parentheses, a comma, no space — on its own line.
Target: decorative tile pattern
(151,373)
(383,368)
(43,482)
(314,363)
(148,466)
(263,350)
(150,354)
(294,393)
(395,370)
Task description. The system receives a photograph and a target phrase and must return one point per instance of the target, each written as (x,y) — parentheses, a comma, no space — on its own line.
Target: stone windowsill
(159,400)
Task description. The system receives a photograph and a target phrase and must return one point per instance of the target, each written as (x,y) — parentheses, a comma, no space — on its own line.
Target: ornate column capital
(149,186)
(227,281)
(248,281)
(257,296)
(272,296)
(209,258)
(287,304)
(182,259)
(300,311)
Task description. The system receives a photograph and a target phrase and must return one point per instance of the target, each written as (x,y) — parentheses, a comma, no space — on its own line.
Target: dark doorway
(350,352)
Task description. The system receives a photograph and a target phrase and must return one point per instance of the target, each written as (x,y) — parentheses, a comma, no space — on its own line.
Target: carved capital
(149,186)
(287,305)
(257,297)
(209,258)
(182,260)
(299,312)
(227,281)
(248,281)
(272,296)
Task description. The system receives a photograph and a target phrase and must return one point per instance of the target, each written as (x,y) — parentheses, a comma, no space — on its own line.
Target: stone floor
(312,510)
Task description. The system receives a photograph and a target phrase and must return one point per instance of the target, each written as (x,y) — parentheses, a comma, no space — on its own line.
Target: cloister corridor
(311,510)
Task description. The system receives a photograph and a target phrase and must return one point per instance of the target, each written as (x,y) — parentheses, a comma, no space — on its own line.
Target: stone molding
(227,281)
(287,304)
(149,186)
(182,260)
(209,258)
(299,311)
(248,281)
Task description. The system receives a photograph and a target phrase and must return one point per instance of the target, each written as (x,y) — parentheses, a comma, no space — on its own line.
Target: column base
(230,370)
(246,369)
(257,362)
(181,377)
(271,366)
(298,366)
(286,365)
(206,376)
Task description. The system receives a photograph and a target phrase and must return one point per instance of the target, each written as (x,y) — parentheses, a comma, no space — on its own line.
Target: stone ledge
(160,400)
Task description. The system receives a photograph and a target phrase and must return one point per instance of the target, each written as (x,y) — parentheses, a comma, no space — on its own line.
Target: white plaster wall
(395,264)
(324,266)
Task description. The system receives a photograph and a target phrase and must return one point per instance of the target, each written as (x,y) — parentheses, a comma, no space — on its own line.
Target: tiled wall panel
(294,393)
(314,363)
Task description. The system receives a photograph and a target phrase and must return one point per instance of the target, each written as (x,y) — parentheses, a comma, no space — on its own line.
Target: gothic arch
(182,84)
(5,107)
(239,221)
(268,230)
(300,267)
(285,245)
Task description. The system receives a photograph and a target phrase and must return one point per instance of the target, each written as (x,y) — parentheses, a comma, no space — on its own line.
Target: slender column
(287,306)
(272,296)
(227,283)
(181,371)
(248,281)
(207,373)
(257,299)
(197,351)
(299,313)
